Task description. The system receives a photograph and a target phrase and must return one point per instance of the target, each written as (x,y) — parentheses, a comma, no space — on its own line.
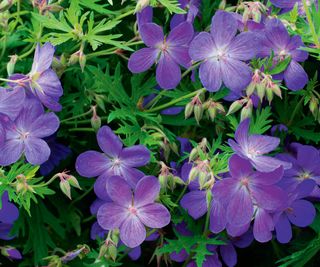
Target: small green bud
(235,106)
(11,64)
(250,89)
(269,94)
(261,90)
(198,112)
(246,112)
(188,110)
(65,188)
(112,251)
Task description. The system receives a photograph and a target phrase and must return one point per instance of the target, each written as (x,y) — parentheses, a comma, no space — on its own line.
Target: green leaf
(280,67)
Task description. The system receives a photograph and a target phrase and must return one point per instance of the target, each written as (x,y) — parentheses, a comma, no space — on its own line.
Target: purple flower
(195,202)
(253,147)
(305,166)
(58,153)
(42,81)
(11,101)
(223,53)
(8,214)
(13,253)
(24,135)
(167,52)
(132,212)
(115,160)
(276,38)
(249,194)
(193,10)
(144,16)
(298,211)
(288,5)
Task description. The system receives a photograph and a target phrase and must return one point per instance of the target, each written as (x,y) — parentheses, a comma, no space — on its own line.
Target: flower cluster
(24,123)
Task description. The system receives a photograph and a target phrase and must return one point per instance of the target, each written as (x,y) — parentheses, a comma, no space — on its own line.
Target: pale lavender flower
(223,54)
(248,194)
(276,38)
(132,211)
(167,52)
(254,147)
(24,135)
(298,211)
(115,160)
(42,81)
(8,214)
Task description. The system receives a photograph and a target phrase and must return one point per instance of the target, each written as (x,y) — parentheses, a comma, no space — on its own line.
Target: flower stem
(309,19)
(190,69)
(206,226)
(81,130)
(76,117)
(175,101)
(295,111)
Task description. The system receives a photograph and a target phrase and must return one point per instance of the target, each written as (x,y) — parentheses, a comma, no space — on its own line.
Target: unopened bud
(236,105)
(188,110)
(11,64)
(5,5)
(250,89)
(198,112)
(65,188)
(11,253)
(95,119)
(212,112)
(222,4)
(261,90)
(73,181)
(193,174)
(193,154)
(112,251)
(276,89)
(269,94)
(246,112)
(82,60)
(313,106)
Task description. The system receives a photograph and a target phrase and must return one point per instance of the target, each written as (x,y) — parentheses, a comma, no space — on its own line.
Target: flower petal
(263,226)
(154,215)
(168,72)
(147,190)
(236,75)
(295,52)
(45,125)
(218,219)
(43,57)
(119,191)
(109,142)
(110,216)
(295,76)
(151,34)
(142,59)
(92,163)
(10,152)
(180,55)
(202,46)
(132,232)
(135,156)
(241,134)
(228,255)
(195,203)
(269,197)
(180,35)
(269,164)
(263,144)
(100,187)
(240,208)
(268,178)
(223,28)
(303,213)
(37,151)
(277,34)
(283,229)
(244,46)
(239,167)
(210,75)
(11,101)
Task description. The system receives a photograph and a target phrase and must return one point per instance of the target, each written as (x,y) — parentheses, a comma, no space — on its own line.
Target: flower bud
(276,89)
(222,5)
(193,154)
(82,60)
(112,251)
(261,90)
(198,112)
(5,5)
(188,110)
(11,253)
(73,181)
(212,112)
(65,188)
(313,106)
(269,94)
(193,174)
(236,105)
(95,119)
(246,112)
(178,180)
(250,89)
(11,64)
